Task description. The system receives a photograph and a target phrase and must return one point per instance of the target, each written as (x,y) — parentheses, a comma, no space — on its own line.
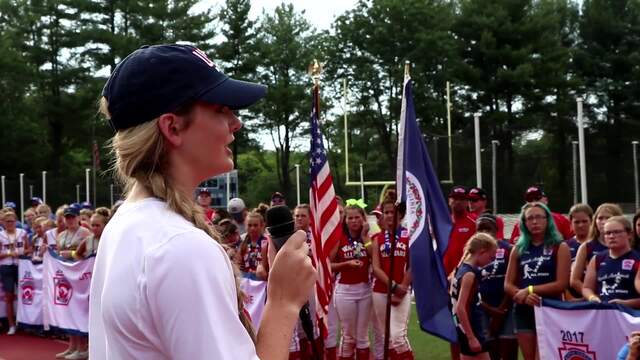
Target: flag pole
(392,235)
(315,69)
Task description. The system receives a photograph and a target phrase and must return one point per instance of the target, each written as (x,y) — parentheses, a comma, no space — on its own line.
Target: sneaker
(12,331)
(64,353)
(77,355)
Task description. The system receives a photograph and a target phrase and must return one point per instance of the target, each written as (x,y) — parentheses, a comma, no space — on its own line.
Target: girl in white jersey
(12,244)
(162,286)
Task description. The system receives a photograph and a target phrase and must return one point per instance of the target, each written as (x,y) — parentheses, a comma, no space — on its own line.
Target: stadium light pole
(574,146)
(44,187)
(635,173)
(583,161)
(30,191)
(476,128)
(78,193)
(4,195)
(494,177)
(22,198)
(298,183)
(361,182)
(87,173)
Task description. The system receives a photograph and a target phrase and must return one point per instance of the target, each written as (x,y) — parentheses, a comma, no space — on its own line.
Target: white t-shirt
(163,289)
(14,242)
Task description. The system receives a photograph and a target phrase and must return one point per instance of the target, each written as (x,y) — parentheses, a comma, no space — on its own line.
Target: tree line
(520,63)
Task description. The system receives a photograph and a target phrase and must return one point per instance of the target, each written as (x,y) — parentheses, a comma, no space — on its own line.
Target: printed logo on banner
(62,289)
(27,288)
(572,351)
(627,264)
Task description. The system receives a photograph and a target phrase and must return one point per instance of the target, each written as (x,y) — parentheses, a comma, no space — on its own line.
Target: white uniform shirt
(12,243)
(163,289)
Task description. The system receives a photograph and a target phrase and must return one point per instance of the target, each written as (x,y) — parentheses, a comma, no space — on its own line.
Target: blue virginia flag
(428,222)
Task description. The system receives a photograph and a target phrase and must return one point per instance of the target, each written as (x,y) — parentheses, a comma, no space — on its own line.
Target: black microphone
(281,226)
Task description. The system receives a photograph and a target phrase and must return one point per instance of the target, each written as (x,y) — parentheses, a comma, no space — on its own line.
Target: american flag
(325,216)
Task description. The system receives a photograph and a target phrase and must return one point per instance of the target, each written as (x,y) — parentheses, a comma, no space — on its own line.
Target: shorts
(525,320)
(463,341)
(9,278)
(508,330)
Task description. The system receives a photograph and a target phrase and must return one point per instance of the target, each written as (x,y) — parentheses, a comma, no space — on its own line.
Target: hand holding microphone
(292,275)
(297,275)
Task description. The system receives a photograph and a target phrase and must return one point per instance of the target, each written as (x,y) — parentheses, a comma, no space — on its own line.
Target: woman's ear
(171,126)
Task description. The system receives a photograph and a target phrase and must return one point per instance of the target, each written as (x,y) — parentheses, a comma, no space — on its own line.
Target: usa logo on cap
(202,56)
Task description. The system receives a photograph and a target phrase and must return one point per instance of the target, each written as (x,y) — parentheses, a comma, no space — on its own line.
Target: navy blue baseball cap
(71,210)
(159,79)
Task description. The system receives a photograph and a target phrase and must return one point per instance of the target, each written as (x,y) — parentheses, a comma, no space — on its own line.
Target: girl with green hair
(539,267)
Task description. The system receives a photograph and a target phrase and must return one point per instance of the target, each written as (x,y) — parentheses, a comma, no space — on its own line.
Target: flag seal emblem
(415,207)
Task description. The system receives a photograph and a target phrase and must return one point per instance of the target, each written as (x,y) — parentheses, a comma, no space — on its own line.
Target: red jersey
(463,228)
(400,260)
(562,224)
(353,249)
(251,253)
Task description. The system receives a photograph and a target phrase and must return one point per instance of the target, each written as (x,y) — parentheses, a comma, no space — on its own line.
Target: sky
(318,12)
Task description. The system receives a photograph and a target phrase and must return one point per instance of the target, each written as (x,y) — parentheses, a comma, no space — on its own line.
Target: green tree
(369,48)
(239,53)
(609,61)
(287,46)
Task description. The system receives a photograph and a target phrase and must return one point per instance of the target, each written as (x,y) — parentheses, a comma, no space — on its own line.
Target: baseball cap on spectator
(10,204)
(459,192)
(36,201)
(277,195)
(165,78)
(476,193)
(86,205)
(377,211)
(71,210)
(236,205)
(534,193)
(204,191)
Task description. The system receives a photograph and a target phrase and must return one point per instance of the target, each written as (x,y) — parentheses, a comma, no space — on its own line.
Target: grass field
(425,346)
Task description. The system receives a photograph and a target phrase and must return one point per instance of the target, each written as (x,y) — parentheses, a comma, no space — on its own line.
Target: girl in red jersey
(250,254)
(400,349)
(351,258)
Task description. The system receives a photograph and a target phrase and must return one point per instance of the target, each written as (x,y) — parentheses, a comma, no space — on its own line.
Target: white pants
(399,320)
(353,303)
(378,336)
(333,324)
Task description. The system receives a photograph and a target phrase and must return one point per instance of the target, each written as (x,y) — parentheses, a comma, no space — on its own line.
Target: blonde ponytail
(140,159)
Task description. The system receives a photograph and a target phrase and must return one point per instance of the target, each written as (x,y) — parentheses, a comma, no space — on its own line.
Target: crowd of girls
(72,234)
(496,284)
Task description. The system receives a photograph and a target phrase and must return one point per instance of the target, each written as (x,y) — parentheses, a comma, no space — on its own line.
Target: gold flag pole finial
(315,69)
(407,67)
